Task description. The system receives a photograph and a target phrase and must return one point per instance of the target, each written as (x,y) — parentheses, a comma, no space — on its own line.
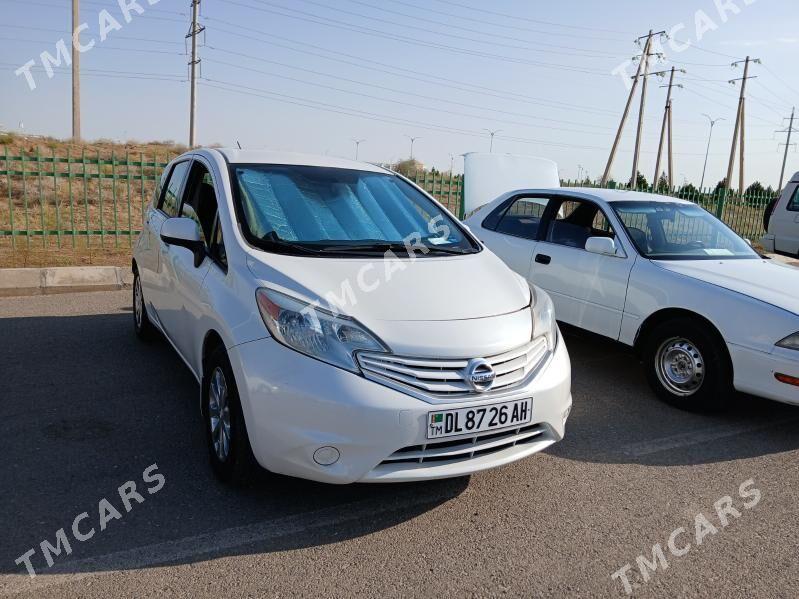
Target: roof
(236,156)
(623,195)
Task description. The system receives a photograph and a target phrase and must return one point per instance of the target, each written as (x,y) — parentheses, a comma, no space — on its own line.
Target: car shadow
(617,419)
(88,407)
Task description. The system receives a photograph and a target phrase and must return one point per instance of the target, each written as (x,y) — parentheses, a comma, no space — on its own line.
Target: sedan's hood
(427,289)
(764,280)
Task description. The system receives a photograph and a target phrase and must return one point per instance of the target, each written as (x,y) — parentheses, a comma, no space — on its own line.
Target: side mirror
(601,245)
(184,232)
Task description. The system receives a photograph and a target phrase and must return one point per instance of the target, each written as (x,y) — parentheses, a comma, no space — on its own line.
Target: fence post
(462,196)
(10,200)
(720,201)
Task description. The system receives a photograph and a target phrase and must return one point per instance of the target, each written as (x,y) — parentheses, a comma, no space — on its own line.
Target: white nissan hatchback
(343,325)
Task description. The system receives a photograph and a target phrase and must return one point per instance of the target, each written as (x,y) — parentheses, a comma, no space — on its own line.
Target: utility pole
(413,141)
(451,164)
(492,134)
(75,73)
(625,114)
(739,124)
(358,143)
(195,30)
(666,123)
(707,152)
(640,131)
(789,130)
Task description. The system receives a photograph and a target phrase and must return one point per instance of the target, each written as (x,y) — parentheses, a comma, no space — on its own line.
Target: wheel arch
(657,318)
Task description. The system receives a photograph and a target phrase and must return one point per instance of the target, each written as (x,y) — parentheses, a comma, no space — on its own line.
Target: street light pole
(707,153)
(358,143)
(492,134)
(413,141)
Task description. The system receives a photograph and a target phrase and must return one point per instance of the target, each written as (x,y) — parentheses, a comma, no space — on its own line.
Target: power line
(400,71)
(337,24)
(781,80)
(482,21)
(585,52)
(418,106)
(522,18)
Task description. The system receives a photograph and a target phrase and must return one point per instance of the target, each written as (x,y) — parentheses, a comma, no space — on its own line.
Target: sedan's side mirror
(601,245)
(184,232)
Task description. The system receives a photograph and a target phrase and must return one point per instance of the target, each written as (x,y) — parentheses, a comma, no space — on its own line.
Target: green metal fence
(94,200)
(741,212)
(447,188)
(89,200)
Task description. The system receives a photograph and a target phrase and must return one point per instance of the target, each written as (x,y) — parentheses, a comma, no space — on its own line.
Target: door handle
(543,259)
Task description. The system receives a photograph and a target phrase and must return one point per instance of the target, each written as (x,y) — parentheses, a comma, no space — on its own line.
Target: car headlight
(790,342)
(544,316)
(315,332)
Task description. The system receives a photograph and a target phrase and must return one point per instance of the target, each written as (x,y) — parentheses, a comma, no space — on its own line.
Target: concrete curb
(70,279)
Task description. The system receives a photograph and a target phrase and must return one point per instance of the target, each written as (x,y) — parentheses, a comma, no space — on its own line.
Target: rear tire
(145,330)
(687,366)
(229,447)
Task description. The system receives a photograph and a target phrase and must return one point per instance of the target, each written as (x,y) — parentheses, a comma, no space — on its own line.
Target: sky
(312,75)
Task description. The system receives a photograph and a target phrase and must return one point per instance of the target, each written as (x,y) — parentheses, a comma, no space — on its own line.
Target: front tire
(687,366)
(229,447)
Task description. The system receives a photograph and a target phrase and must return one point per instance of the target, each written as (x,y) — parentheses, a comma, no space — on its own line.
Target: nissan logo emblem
(480,375)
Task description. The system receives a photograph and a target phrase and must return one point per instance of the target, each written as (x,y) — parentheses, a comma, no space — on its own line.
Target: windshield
(676,231)
(310,210)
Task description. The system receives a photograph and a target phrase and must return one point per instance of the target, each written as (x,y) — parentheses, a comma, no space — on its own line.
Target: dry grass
(50,201)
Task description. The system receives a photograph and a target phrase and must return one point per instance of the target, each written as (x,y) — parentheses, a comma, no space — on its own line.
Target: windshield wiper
(274,239)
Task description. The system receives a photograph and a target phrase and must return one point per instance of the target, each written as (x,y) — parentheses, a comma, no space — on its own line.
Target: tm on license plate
(467,421)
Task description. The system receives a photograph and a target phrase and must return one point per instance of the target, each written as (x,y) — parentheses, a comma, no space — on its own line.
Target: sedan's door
(588,289)
(511,231)
(784,222)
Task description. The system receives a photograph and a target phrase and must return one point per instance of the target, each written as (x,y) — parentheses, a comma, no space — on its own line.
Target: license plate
(468,421)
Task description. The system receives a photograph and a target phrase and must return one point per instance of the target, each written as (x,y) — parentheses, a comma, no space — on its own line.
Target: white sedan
(706,313)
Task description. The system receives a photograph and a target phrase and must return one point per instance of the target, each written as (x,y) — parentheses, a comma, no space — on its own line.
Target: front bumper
(294,405)
(755,373)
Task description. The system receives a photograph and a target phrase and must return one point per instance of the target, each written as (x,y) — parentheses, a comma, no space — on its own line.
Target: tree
(720,187)
(688,192)
(409,167)
(640,182)
(755,194)
(663,184)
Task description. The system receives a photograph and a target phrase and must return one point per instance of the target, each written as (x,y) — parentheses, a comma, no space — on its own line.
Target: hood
(764,280)
(427,289)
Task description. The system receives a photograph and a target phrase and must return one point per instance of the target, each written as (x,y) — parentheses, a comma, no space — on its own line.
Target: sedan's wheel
(687,365)
(141,322)
(226,432)
(680,367)
(219,415)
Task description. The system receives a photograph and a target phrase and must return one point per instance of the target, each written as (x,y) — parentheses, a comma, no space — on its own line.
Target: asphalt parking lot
(86,407)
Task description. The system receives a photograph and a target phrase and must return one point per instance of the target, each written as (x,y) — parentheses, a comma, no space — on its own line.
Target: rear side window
(793,205)
(170,201)
(523,218)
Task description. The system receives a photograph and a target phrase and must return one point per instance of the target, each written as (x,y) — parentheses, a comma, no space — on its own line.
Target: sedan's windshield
(320,211)
(678,231)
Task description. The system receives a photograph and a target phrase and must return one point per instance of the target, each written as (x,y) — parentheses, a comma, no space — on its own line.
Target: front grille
(448,377)
(466,449)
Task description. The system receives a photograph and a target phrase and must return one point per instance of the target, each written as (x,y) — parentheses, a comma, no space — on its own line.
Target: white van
(342,324)
(782,223)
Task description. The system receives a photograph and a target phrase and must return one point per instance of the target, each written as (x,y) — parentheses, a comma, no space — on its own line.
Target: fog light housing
(326,456)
